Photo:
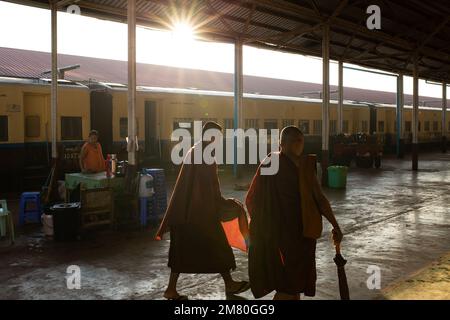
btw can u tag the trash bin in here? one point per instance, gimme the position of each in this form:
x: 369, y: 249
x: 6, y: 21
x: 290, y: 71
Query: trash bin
x: 337, y: 177
x: 66, y: 221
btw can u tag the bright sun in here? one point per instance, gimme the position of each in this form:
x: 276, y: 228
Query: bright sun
x: 182, y: 32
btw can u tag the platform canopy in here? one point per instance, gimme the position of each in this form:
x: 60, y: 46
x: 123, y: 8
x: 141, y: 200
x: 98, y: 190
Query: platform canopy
x: 409, y: 29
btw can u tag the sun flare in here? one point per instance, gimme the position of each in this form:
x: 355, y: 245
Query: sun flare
x: 183, y: 32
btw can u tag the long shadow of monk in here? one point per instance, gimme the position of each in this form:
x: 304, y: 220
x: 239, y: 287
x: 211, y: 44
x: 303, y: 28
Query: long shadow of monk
x: 235, y: 297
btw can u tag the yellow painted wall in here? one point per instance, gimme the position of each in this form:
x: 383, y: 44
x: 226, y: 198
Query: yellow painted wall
x: 71, y: 102
x: 76, y: 102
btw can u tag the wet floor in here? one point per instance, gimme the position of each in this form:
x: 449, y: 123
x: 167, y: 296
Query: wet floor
x: 394, y: 220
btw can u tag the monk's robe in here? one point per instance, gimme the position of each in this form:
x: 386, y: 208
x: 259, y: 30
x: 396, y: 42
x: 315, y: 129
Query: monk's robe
x: 280, y: 257
x: 194, y: 217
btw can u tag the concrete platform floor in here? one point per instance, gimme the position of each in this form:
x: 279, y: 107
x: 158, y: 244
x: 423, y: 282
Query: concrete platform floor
x: 392, y: 218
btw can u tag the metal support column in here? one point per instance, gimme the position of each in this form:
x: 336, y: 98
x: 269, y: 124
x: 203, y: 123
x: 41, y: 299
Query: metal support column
x: 444, y: 117
x: 340, y: 105
x: 54, y: 86
x: 325, y: 101
x: 131, y: 19
x: 400, y: 104
x: 415, y: 118
x: 238, y: 98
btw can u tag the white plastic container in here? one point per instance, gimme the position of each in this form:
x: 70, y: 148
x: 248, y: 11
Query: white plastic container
x: 47, y: 222
x: 146, y: 189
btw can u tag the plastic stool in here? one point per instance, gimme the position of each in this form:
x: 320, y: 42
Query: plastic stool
x: 34, y: 214
x: 147, y: 210
x: 143, y: 211
x: 5, y: 216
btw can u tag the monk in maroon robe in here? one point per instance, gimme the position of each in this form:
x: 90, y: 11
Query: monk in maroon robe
x: 198, y: 243
x: 282, y: 237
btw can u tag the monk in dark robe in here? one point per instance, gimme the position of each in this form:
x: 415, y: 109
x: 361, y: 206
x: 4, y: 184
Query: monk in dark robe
x: 285, y: 211
x: 198, y: 243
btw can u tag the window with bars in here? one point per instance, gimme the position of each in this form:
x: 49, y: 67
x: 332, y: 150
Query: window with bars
x: 228, y: 123
x: 287, y: 122
x: 270, y: 124
x: 251, y: 123
x: 123, y: 127
x: 426, y: 126
x: 365, y: 126
x: 185, y: 123
x: 333, y: 128
x: 204, y: 120
x: 345, y: 126
x: 303, y: 125
x: 380, y: 126
x: 435, y: 126
x: 317, y: 127
x: 71, y: 128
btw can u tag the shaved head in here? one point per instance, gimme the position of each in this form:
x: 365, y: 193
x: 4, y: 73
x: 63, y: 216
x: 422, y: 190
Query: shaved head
x: 290, y: 134
x: 211, y: 125
x: 292, y: 141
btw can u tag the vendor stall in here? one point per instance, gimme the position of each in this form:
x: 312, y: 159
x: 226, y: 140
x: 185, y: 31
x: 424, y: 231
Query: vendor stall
x: 96, y: 194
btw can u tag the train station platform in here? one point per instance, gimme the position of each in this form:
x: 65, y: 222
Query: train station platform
x: 394, y: 220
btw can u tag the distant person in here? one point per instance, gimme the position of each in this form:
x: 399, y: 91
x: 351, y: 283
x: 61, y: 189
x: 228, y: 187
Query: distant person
x: 198, y: 242
x: 91, y: 156
x: 285, y: 211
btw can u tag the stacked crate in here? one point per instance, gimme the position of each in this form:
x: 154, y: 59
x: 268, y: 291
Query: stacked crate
x: 157, y: 206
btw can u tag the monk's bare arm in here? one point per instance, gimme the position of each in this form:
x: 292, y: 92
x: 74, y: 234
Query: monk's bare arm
x: 325, y: 208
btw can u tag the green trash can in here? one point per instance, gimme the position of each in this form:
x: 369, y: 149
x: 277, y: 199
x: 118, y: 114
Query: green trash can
x: 337, y: 177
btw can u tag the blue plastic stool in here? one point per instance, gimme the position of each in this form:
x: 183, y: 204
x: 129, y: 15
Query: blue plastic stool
x: 160, y: 196
x: 33, y: 214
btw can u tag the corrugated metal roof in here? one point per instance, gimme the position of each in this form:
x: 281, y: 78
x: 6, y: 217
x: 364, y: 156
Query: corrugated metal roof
x: 409, y: 28
x: 19, y: 63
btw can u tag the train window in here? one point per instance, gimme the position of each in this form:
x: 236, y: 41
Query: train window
x: 251, y: 123
x: 3, y: 128
x: 333, y: 124
x: 32, y: 126
x: 435, y: 126
x: 345, y: 126
x: 287, y: 122
x: 204, y: 120
x: 71, y: 128
x: 270, y: 124
x: 123, y: 127
x: 185, y: 123
x: 408, y: 126
x: 420, y: 127
x: 228, y: 123
x: 427, y: 126
x: 364, y: 126
x: 304, y: 126
x: 448, y: 126
x: 317, y: 127
x: 380, y: 126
